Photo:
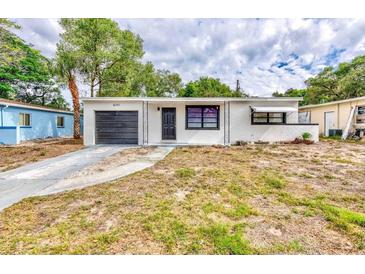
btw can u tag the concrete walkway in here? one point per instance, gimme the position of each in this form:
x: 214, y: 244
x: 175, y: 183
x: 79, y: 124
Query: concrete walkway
x: 51, y: 175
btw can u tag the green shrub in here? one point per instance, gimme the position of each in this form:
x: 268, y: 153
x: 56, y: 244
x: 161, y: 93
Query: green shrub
x: 306, y: 136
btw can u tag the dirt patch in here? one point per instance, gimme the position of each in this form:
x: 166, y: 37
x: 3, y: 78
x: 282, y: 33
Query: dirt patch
x: 13, y: 156
x: 181, y: 194
x: 116, y: 160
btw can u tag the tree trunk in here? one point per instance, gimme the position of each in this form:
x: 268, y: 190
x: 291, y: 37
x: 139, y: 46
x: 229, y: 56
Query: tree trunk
x: 99, y: 91
x: 92, y: 87
x: 76, y: 105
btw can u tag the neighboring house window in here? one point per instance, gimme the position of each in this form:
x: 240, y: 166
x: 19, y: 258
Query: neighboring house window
x: 60, y: 121
x: 266, y: 118
x: 24, y: 119
x: 360, y: 118
x: 202, y: 117
x: 304, y: 117
x: 361, y: 110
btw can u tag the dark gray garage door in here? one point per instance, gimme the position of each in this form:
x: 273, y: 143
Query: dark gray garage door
x: 116, y: 127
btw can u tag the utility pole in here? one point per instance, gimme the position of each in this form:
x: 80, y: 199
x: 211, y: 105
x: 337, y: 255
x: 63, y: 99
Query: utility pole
x: 238, y: 88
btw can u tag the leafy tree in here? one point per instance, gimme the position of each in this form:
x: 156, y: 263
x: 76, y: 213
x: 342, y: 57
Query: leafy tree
x: 332, y: 84
x: 351, y: 78
x: 42, y: 93
x: 353, y: 84
x: 158, y: 83
x: 209, y: 87
x: 10, y: 52
x: 323, y: 87
x: 143, y: 80
x: 101, y: 45
x: 127, y: 82
x: 59, y: 102
x: 108, y: 60
x: 294, y: 93
x: 169, y: 84
x: 24, y: 73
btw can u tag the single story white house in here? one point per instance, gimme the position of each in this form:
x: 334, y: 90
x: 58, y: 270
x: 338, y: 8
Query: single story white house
x: 192, y: 121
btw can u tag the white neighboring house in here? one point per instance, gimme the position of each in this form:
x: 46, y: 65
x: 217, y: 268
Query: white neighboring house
x: 192, y: 121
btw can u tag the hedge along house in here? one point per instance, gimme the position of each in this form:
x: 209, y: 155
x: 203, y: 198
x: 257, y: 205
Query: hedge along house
x: 334, y: 117
x: 21, y: 121
x: 191, y: 121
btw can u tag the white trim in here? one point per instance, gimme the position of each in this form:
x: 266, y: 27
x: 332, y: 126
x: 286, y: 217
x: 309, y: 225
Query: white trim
x: 189, y: 99
x: 35, y: 107
x: 333, y: 103
x: 274, y: 109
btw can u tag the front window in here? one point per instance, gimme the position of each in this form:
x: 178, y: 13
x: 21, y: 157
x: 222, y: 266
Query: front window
x: 265, y: 118
x: 202, y: 117
x: 24, y: 119
x: 60, y: 121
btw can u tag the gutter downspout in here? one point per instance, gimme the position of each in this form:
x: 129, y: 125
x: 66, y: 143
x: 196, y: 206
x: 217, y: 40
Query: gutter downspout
x: 2, y: 114
x: 338, y: 115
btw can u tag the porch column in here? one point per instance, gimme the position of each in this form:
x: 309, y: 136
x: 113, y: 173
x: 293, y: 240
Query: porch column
x: 226, y: 123
x: 145, y: 123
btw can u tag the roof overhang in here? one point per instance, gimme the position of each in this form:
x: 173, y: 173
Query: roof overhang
x: 333, y: 103
x: 274, y: 109
x: 35, y: 107
x: 190, y: 99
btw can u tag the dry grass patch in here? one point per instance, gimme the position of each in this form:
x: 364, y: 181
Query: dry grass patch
x: 256, y: 199
x: 17, y: 155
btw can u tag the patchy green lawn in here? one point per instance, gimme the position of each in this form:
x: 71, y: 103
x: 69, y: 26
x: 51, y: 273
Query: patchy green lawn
x: 255, y: 199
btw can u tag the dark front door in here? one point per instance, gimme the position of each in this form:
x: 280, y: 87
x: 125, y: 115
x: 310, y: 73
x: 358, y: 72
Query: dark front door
x: 168, y: 123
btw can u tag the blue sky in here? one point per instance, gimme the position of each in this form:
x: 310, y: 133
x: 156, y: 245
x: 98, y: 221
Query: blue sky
x: 266, y: 55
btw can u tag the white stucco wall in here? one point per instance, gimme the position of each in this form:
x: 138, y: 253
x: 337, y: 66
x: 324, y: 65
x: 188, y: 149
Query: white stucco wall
x: 235, y: 122
x: 281, y: 133
x: 183, y: 136
x: 89, y: 116
x: 242, y: 130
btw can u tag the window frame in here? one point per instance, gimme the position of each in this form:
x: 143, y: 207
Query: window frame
x: 63, y: 121
x: 24, y: 115
x: 283, y: 122
x: 202, y: 118
x: 360, y: 109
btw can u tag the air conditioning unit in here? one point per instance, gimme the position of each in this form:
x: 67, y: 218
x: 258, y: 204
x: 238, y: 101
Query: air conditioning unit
x: 335, y: 132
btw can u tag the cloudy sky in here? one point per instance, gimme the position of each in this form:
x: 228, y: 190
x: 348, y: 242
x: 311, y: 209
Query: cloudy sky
x: 266, y: 55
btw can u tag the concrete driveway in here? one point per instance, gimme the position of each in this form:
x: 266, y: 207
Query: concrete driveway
x: 52, y: 175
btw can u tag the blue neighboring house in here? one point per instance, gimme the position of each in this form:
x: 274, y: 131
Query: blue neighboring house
x: 21, y: 121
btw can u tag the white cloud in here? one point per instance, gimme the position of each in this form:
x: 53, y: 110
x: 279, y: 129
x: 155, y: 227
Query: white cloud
x: 42, y: 33
x: 230, y: 49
